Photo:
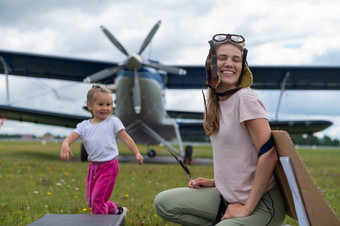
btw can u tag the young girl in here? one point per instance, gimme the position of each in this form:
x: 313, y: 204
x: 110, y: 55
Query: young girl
x: 98, y: 135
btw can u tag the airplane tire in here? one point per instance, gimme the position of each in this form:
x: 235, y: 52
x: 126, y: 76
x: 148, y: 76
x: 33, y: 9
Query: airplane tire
x: 83, y: 153
x: 188, y: 155
x: 151, y: 153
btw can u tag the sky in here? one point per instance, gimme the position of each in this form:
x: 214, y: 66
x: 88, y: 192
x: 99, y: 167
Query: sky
x: 281, y: 32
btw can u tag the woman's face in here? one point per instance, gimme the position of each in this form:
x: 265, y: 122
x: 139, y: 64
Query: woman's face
x: 229, y: 66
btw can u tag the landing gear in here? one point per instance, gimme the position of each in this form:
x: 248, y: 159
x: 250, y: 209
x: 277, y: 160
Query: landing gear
x: 188, y: 158
x: 83, y: 153
x: 151, y: 153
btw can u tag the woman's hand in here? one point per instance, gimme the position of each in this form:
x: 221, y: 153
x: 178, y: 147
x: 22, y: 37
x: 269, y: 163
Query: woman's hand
x: 236, y: 210
x: 201, y: 182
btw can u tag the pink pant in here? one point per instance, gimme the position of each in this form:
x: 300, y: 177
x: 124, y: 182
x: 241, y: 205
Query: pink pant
x: 100, y: 182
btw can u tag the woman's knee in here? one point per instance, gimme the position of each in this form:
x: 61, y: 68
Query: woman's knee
x: 169, y: 202
x: 159, y: 203
x: 165, y: 205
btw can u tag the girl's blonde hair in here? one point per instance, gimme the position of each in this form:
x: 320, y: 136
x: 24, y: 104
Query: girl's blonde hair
x: 93, y: 91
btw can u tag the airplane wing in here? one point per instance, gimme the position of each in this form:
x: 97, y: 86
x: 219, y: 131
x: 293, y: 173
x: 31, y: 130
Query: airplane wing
x: 268, y: 77
x: 195, y: 129
x: 185, y: 114
x: 54, y: 67
x: 299, y: 77
x: 300, y: 126
x: 41, y: 117
x: 265, y: 77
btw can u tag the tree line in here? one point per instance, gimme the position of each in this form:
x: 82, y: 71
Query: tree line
x: 314, y: 140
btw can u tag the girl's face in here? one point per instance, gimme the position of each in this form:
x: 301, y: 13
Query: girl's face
x: 101, y: 107
x: 229, y: 66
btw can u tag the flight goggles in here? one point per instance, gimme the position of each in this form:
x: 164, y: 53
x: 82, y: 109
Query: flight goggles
x: 223, y: 38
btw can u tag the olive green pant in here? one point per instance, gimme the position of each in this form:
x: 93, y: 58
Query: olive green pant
x: 187, y: 206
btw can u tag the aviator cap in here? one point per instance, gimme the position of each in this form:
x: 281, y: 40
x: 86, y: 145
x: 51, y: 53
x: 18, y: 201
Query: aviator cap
x: 212, y: 75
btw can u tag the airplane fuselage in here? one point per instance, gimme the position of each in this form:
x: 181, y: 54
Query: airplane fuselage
x: 152, y: 95
x: 153, y: 112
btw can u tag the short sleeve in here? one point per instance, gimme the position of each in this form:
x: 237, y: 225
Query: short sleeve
x: 118, y: 125
x: 80, y: 128
x: 251, y: 107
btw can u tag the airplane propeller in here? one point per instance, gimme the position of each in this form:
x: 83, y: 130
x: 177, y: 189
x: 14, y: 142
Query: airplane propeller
x: 134, y: 62
x: 149, y: 37
x: 107, y: 72
x: 136, y: 92
x: 114, y: 40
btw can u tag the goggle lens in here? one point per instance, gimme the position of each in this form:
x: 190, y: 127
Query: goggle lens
x: 231, y: 37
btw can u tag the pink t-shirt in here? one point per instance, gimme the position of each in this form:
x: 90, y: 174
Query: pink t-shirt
x: 235, y: 155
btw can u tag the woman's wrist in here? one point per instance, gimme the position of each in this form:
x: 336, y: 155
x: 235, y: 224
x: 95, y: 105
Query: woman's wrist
x: 212, y: 182
x: 249, y: 210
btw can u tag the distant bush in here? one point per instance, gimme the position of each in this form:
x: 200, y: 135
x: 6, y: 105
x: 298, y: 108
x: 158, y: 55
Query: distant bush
x: 313, y: 140
x: 10, y: 135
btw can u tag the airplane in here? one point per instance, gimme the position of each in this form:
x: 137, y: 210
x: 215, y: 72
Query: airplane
x: 139, y: 85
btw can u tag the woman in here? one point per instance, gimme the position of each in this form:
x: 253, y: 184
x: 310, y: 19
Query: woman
x: 243, y: 191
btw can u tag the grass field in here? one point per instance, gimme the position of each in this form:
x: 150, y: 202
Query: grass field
x: 34, y: 182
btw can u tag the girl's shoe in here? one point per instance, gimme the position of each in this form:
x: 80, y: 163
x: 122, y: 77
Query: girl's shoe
x: 121, y: 211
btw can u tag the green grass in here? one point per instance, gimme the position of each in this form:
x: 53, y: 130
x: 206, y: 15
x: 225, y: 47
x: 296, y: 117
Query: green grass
x: 34, y: 182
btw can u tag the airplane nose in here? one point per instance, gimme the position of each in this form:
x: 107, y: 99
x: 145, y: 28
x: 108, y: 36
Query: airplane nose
x: 134, y: 62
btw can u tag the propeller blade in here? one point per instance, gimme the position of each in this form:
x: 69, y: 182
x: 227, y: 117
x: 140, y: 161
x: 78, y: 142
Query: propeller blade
x: 136, y: 93
x: 114, y: 40
x: 169, y: 69
x: 103, y: 74
x: 149, y: 37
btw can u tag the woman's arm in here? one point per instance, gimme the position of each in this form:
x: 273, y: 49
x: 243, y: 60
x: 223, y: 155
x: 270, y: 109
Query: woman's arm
x: 260, y: 132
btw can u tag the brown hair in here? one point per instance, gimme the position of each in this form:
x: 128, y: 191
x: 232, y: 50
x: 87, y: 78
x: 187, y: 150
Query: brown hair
x: 211, y: 123
x: 95, y: 89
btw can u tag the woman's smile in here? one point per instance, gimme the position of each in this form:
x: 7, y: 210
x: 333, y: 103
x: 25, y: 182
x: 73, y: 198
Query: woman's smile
x: 227, y: 73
